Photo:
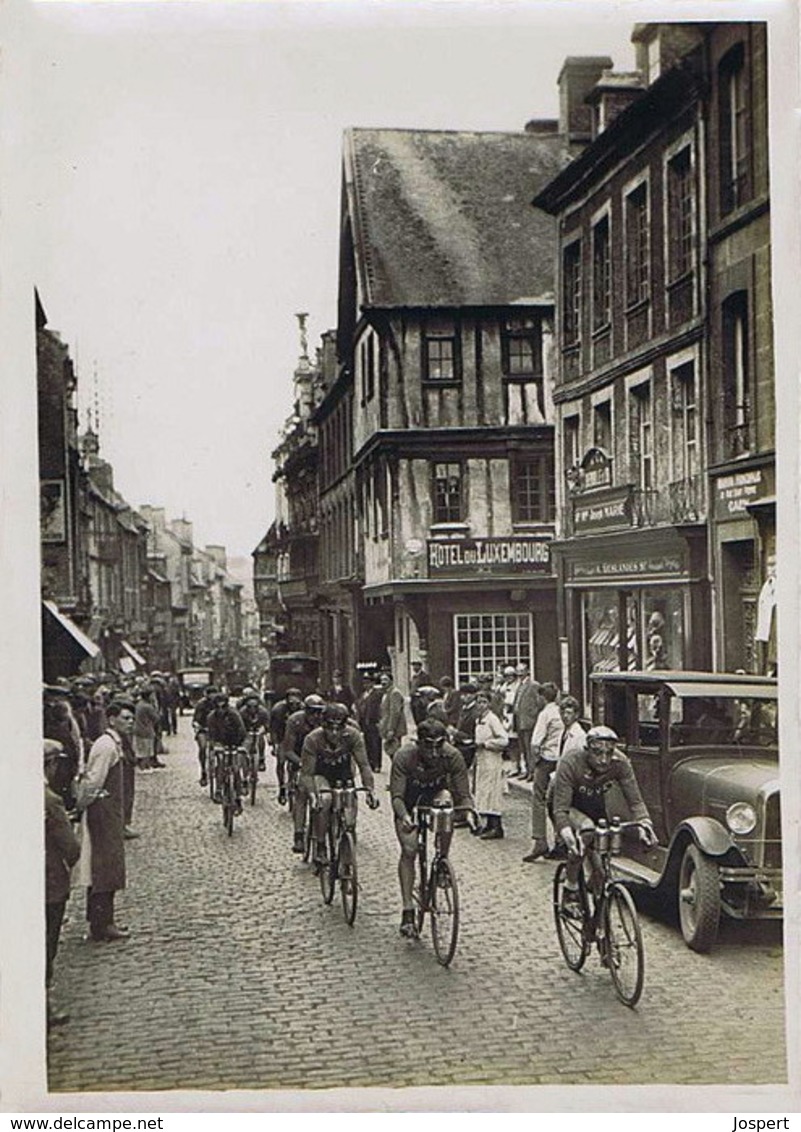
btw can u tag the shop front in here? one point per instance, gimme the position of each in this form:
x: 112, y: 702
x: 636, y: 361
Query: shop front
x: 484, y: 604
x: 744, y: 566
x: 634, y: 602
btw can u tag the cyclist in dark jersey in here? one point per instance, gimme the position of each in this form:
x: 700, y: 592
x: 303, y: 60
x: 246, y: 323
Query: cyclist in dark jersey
x: 426, y: 771
x: 327, y: 760
x: 299, y: 725
x: 582, y: 779
x: 203, y: 709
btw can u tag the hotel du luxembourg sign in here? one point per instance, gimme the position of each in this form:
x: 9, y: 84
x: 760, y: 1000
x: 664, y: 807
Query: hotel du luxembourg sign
x: 464, y: 558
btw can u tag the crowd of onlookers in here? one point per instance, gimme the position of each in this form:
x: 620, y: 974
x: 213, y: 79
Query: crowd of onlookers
x: 97, y: 732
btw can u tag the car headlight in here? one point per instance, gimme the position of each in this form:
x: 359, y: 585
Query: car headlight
x: 741, y: 818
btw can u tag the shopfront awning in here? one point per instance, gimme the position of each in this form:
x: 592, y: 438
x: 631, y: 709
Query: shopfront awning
x: 69, y: 627
x: 135, y: 656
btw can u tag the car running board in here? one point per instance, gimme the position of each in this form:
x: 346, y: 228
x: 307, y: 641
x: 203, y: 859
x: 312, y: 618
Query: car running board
x: 627, y: 869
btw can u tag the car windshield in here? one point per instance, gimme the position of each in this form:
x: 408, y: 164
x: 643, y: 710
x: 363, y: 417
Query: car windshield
x: 714, y: 720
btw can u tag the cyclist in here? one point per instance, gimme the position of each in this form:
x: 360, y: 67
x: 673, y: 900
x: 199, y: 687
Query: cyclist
x: 199, y: 720
x: 255, y: 717
x: 298, y: 726
x: 226, y: 729
x: 327, y: 759
x: 278, y: 720
x: 583, y: 777
x: 426, y: 771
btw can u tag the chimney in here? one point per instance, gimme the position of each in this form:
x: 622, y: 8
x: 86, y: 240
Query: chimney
x: 578, y: 76
x: 613, y: 92
x: 182, y: 529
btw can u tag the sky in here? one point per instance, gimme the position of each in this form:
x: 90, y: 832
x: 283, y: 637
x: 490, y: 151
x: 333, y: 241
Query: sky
x: 185, y: 175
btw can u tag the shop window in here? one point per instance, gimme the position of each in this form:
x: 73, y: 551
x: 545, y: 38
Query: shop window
x: 602, y: 631
x: 735, y: 155
x: 681, y: 215
x: 601, y: 275
x: 447, y: 493
x: 661, y: 629
x: 736, y: 377
x: 638, y: 265
x: 441, y: 353
x: 571, y: 294
x: 533, y: 490
x: 487, y: 642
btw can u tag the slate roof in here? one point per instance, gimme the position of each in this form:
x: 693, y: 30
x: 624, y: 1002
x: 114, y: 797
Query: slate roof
x: 445, y: 218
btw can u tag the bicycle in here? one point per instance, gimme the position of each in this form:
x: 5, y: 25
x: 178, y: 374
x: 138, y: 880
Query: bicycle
x: 230, y: 785
x: 212, y: 769
x: 252, y: 763
x: 436, y: 891
x: 605, y: 914
x: 340, y: 862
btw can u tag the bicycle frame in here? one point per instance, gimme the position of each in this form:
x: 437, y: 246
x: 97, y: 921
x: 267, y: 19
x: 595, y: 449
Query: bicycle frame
x: 341, y: 840
x: 438, y: 893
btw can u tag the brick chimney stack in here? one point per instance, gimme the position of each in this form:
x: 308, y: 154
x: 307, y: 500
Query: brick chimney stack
x: 577, y: 78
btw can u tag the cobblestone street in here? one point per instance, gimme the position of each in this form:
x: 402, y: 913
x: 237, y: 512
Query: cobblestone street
x: 237, y: 975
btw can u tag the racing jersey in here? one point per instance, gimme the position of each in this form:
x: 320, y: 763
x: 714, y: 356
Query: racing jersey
x: 319, y: 758
x: 225, y: 726
x: 413, y: 781
x: 254, y: 715
x: 295, y: 732
x: 578, y: 786
x: 201, y: 713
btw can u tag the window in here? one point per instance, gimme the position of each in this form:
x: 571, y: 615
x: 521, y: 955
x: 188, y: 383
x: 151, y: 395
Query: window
x: 737, y: 409
x: 681, y: 223
x: 601, y: 275
x: 735, y: 179
x: 486, y: 642
x: 602, y: 426
x: 685, y: 422
x: 533, y: 490
x: 522, y: 348
x: 441, y: 360
x: 641, y: 436
x: 447, y: 493
x: 637, y: 246
x: 571, y: 294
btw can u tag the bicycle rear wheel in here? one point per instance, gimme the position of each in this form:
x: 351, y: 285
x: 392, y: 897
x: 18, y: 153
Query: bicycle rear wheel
x: 212, y: 775
x: 308, y: 832
x: 444, y: 903
x: 569, y: 928
x: 348, y: 877
x: 328, y: 870
x: 623, y: 947
x: 254, y: 779
x: 228, y: 804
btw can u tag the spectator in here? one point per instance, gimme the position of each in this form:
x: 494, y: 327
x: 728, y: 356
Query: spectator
x: 451, y: 700
x: 392, y: 719
x: 101, y: 803
x: 95, y: 716
x: 340, y: 692
x: 61, y: 852
x: 147, y: 720
x: 420, y: 679
x: 491, y: 741
x: 527, y: 706
x: 545, y: 751
x: 368, y: 714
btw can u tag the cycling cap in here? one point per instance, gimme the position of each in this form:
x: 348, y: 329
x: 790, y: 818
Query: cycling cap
x: 294, y: 694
x: 335, y: 713
x: 431, y: 731
x: 314, y: 703
x: 601, y: 732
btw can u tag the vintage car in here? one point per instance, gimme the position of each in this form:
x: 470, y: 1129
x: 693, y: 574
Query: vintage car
x: 193, y: 682
x: 704, y: 747
x: 290, y: 670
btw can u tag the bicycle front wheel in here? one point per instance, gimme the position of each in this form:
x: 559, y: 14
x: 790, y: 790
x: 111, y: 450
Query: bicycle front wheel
x: 622, y: 949
x: 328, y: 870
x: 308, y: 832
x: 348, y: 877
x: 569, y: 924
x: 228, y: 795
x: 254, y: 781
x: 444, y: 910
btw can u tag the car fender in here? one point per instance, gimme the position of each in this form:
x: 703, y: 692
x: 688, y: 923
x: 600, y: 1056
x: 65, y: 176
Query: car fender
x: 707, y: 833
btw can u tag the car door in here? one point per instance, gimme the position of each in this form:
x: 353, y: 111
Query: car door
x: 646, y: 743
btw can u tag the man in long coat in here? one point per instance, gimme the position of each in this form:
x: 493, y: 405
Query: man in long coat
x: 392, y: 721
x: 101, y: 800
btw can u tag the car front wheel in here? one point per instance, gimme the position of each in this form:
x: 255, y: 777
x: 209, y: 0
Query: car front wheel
x: 699, y: 899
